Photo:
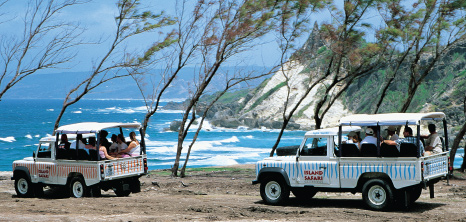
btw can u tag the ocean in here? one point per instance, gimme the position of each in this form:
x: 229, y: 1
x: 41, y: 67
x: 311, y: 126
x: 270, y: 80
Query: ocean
x: 25, y: 121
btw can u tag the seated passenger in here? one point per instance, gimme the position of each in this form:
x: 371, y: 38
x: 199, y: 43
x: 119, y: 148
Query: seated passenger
x: 103, y: 138
x: 357, y: 139
x: 433, y: 142
x: 121, y: 143
x: 64, y: 144
x: 350, y: 137
x: 78, y: 142
x: 409, y: 138
x: 391, y: 130
x: 114, y: 147
x: 133, y: 148
x: 370, y: 138
x: 103, y: 153
x: 91, y: 144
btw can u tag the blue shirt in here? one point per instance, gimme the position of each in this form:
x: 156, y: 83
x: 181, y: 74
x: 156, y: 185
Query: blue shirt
x: 409, y: 139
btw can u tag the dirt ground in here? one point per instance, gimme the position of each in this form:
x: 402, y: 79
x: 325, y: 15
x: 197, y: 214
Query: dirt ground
x: 221, y: 195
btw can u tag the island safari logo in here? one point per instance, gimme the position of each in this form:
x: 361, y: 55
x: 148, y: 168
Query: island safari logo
x: 43, y: 173
x: 313, y: 176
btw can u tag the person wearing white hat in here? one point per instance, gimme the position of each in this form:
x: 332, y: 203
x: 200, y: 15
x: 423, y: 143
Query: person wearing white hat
x: 370, y: 138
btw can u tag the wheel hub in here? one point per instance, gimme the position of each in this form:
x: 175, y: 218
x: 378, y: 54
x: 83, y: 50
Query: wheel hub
x: 377, y: 195
x: 273, y: 190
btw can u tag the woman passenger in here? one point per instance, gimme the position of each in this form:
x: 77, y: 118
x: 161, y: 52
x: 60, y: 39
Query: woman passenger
x: 133, y: 148
x: 103, y: 153
x: 356, y: 139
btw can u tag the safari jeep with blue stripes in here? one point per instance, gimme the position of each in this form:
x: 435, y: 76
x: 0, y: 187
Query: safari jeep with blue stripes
x: 386, y: 172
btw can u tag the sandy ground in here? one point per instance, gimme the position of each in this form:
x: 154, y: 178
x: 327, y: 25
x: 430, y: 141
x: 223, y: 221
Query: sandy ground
x: 219, y: 195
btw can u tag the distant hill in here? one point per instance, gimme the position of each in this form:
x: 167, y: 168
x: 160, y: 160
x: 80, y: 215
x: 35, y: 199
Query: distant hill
x: 57, y: 85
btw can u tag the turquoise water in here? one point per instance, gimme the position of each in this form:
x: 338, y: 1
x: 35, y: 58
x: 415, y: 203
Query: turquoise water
x: 23, y: 122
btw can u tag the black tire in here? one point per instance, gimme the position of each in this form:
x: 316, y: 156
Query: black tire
x: 377, y: 194
x: 77, y: 187
x: 95, y: 191
x: 274, y: 191
x: 121, y: 193
x: 120, y: 190
x: 38, y: 190
x: 23, y: 186
x: 304, y: 193
x: 135, y: 186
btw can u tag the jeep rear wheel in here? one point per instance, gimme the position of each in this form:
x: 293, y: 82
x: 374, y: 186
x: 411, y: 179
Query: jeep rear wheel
x: 274, y: 191
x: 377, y: 194
x: 77, y: 187
x: 23, y: 186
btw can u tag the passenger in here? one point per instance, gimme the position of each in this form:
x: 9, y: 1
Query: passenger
x: 433, y: 142
x: 104, y: 140
x: 133, y: 148
x: 64, y: 144
x: 350, y: 137
x: 356, y: 139
x: 121, y: 143
x: 103, y: 153
x: 409, y: 138
x: 391, y: 130
x: 114, y: 147
x: 79, y: 142
x: 91, y: 144
x: 370, y: 138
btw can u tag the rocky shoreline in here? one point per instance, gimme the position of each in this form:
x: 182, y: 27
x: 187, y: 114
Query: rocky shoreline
x: 225, y: 115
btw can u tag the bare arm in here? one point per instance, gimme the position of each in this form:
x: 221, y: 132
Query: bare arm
x: 108, y: 157
x: 131, y: 146
x: 389, y: 142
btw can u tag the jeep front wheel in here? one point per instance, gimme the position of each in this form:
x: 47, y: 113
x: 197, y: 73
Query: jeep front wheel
x: 274, y: 191
x: 377, y: 194
x: 23, y: 186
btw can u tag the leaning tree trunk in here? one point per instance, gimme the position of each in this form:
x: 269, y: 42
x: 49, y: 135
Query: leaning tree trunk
x: 456, y: 144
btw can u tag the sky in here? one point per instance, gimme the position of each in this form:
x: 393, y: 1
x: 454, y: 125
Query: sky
x: 96, y: 18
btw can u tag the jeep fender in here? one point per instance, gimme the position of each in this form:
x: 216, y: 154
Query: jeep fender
x: 268, y: 171
x: 20, y: 170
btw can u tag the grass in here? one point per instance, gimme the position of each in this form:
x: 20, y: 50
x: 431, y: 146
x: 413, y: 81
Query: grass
x: 266, y: 95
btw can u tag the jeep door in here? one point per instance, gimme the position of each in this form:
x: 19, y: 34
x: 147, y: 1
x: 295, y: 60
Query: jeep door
x: 315, y: 166
x: 45, y: 166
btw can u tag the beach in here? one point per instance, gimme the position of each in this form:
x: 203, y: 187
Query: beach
x: 221, y: 194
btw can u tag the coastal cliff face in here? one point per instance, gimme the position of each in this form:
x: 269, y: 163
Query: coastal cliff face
x: 443, y: 90
x: 268, y: 103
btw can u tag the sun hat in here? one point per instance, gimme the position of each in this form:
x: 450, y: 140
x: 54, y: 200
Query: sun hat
x: 391, y: 128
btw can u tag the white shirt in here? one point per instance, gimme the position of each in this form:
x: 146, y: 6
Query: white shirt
x: 394, y: 137
x: 113, y: 148
x: 81, y: 145
x: 369, y: 139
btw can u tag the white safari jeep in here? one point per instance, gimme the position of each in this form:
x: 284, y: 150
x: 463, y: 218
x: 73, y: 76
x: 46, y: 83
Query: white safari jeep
x: 384, y: 174
x: 81, y: 171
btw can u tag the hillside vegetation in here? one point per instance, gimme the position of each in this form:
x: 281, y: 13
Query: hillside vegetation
x: 442, y: 90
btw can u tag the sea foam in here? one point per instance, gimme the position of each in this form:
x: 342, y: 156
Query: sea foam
x: 9, y: 139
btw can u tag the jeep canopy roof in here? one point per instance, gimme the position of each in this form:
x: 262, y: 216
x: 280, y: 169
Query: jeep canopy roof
x: 390, y: 119
x: 93, y: 127
x: 333, y: 131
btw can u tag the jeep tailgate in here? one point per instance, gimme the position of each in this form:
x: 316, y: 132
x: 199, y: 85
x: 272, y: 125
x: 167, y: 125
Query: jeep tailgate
x: 435, y: 166
x: 122, y: 167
